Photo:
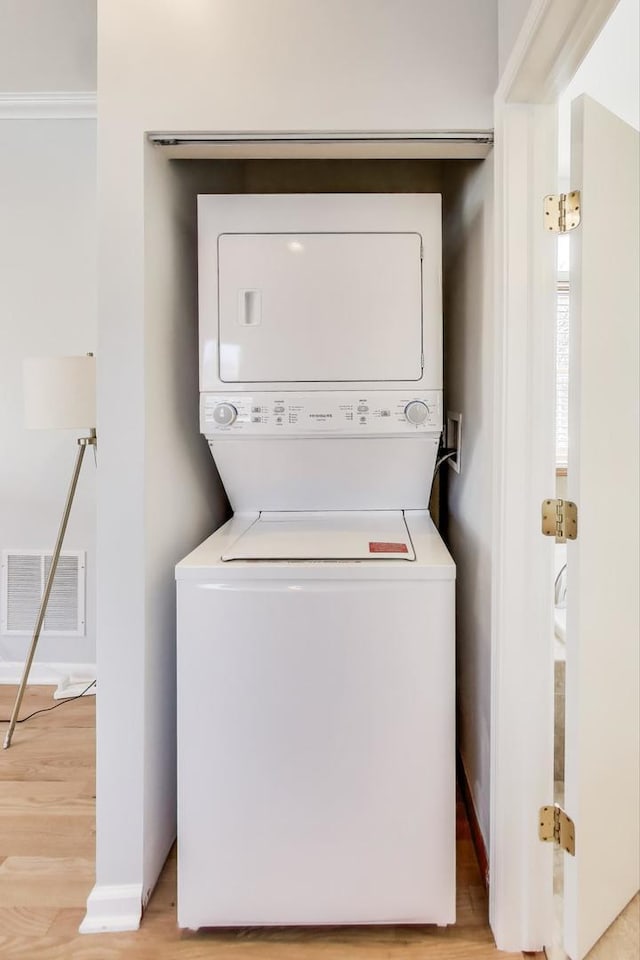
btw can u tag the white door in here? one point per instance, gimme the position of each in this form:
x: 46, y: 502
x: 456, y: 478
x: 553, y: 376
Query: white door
x: 602, y: 680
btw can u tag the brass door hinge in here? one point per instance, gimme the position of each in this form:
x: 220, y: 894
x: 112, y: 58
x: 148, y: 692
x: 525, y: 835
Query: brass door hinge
x: 554, y: 826
x: 560, y: 520
x: 562, y: 211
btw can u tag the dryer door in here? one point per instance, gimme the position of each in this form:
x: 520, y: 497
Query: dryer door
x: 320, y: 307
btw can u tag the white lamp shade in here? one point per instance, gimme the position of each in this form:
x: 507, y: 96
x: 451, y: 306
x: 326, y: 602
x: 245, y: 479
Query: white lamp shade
x: 60, y: 393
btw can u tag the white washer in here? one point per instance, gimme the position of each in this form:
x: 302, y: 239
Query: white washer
x: 316, y: 743
x: 316, y: 740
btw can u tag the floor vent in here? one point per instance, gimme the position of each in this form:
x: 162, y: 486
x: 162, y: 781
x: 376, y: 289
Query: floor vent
x: 24, y: 575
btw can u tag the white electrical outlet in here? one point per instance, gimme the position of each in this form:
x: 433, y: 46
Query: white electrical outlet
x: 454, y: 440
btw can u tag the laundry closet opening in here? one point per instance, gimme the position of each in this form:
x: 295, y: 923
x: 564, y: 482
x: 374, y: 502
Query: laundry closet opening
x: 461, y: 502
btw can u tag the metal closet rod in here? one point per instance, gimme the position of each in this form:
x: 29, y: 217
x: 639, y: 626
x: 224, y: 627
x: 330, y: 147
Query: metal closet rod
x: 171, y: 139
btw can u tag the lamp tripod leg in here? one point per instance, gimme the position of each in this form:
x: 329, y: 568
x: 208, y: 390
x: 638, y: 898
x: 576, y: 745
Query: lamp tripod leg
x: 82, y: 445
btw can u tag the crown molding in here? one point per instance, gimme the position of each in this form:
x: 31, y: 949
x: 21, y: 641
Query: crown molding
x: 49, y: 105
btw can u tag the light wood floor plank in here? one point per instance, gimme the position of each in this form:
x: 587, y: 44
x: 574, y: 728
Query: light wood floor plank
x: 57, y: 838
x: 39, y: 698
x: 54, y: 799
x: 26, y: 922
x: 45, y: 881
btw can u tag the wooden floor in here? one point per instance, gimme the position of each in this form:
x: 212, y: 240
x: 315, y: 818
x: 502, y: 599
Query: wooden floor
x: 47, y: 836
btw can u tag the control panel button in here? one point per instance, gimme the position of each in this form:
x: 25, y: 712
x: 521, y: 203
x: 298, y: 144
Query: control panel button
x: 224, y: 414
x: 278, y: 409
x: 416, y: 412
x: 363, y: 409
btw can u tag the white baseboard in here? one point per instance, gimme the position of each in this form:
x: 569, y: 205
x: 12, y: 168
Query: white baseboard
x: 75, y: 685
x: 60, y: 674
x: 111, y: 909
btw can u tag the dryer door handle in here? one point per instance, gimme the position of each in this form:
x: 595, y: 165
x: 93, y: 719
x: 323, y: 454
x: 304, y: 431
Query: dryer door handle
x: 249, y: 308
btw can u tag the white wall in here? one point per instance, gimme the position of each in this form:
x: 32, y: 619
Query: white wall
x: 286, y: 65
x: 183, y: 489
x: 511, y: 14
x: 223, y: 64
x: 47, y: 45
x: 47, y: 307
x: 158, y: 483
x: 469, y: 378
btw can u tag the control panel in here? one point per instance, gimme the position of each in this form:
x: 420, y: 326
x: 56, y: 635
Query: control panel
x: 376, y: 413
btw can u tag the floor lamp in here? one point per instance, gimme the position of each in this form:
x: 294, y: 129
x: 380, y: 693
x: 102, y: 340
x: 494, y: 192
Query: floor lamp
x: 59, y: 394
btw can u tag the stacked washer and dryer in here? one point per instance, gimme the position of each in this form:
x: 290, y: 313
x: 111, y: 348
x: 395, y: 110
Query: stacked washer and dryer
x: 316, y: 680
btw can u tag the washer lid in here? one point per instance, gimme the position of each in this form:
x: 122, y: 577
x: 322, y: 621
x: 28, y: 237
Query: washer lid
x: 365, y: 535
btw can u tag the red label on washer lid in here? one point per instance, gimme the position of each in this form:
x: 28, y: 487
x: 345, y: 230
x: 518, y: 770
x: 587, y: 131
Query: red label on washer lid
x: 384, y: 546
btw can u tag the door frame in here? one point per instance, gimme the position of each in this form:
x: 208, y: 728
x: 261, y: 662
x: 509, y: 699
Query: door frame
x: 555, y: 37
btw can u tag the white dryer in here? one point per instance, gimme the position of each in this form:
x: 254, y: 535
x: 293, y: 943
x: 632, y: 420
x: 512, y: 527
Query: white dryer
x: 316, y: 686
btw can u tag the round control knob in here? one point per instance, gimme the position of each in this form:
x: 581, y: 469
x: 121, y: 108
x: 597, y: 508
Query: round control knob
x: 416, y: 412
x: 224, y: 414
